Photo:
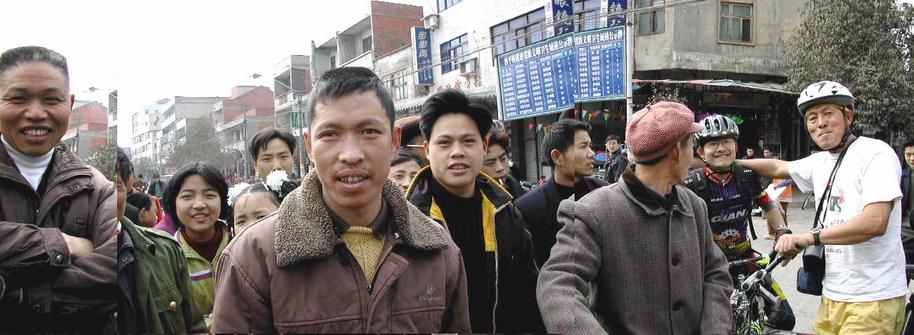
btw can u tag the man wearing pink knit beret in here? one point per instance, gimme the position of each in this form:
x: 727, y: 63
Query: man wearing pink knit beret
x: 637, y: 257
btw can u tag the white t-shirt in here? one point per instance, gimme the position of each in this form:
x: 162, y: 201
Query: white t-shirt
x: 870, y: 172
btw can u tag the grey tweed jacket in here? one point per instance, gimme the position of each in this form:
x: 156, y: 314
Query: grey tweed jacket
x: 654, y: 271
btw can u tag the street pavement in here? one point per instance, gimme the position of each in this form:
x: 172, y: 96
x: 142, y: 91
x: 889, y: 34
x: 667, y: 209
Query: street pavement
x: 804, y: 306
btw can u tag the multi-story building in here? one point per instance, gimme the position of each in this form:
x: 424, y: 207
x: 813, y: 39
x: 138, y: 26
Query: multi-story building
x: 291, y: 85
x: 112, y: 116
x: 146, y: 130
x: 380, y: 41
x: 177, y: 115
x: 88, y: 128
x: 237, y: 118
x: 720, y: 56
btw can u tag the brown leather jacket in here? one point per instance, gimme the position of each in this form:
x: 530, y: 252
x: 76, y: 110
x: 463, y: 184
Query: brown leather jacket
x: 292, y: 273
x: 46, y: 290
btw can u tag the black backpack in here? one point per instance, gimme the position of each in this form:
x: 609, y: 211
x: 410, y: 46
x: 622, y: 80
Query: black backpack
x: 697, y: 181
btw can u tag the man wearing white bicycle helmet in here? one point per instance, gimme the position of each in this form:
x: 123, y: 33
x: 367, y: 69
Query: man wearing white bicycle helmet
x: 864, y: 284
x: 731, y: 192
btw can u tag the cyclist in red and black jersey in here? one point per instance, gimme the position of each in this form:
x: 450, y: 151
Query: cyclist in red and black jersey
x: 731, y: 192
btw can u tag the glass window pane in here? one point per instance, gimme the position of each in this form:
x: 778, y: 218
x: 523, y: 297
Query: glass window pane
x: 441, y: 5
x: 518, y: 22
x: 642, y: 3
x: 539, y: 15
x: 724, y: 9
x: 742, y: 10
x: 500, y: 29
x: 536, y: 32
x: 724, y: 29
x: 590, y: 4
x: 658, y: 21
x: 734, y: 30
x: 644, y: 23
x: 747, y: 30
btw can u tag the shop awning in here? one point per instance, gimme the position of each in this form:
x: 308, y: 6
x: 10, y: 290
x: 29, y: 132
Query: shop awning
x: 736, y: 85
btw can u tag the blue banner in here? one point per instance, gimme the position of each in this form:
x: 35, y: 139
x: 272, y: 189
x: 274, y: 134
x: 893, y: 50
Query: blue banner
x: 617, y: 6
x: 601, y: 64
x: 423, y: 50
x: 550, y: 76
x: 562, y: 16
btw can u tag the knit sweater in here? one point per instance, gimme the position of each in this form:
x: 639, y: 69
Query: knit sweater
x: 366, y: 247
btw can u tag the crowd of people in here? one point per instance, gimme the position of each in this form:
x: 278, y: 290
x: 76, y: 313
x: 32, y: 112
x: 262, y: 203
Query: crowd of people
x: 418, y: 224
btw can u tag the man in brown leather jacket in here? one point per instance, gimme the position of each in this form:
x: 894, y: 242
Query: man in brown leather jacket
x: 345, y: 252
x: 57, y: 214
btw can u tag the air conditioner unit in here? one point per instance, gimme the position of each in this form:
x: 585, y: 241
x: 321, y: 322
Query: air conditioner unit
x: 468, y: 67
x: 431, y: 21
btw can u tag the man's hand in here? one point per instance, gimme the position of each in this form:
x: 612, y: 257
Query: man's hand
x: 790, y: 245
x: 78, y: 246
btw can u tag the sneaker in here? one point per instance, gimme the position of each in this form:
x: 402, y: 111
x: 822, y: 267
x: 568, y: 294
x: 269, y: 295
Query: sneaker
x: 757, y: 212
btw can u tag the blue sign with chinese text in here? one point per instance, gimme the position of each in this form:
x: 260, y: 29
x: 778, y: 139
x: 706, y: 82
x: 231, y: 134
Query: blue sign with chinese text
x: 616, y: 6
x: 423, y: 51
x: 562, y: 16
x: 601, y: 64
x: 550, y: 76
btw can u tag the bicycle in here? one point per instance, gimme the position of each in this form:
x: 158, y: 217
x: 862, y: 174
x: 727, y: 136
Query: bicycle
x: 909, y: 308
x: 748, y: 300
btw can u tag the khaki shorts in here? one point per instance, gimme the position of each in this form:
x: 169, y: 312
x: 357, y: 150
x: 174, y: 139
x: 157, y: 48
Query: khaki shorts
x: 873, y: 317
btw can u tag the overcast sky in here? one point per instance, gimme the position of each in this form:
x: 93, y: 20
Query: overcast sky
x: 149, y: 50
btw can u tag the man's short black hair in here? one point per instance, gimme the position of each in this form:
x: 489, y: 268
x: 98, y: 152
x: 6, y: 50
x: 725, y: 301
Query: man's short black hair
x: 210, y: 174
x: 405, y: 156
x: 613, y: 138
x: 123, y: 167
x: 452, y: 101
x: 140, y: 200
x: 498, y: 137
x: 264, y: 136
x: 341, y: 81
x: 16, y: 56
x: 561, y: 137
x: 156, y: 175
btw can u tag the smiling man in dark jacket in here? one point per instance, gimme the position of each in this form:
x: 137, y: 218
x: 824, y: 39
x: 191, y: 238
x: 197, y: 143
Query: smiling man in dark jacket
x: 478, y: 213
x: 57, y: 214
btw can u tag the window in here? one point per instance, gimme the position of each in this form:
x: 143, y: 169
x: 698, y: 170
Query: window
x: 445, y: 4
x: 452, y: 51
x: 397, y: 85
x: 366, y: 44
x: 650, y: 22
x: 735, y: 23
x: 519, y: 32
x: 586, y: 15
x: 332, y: 62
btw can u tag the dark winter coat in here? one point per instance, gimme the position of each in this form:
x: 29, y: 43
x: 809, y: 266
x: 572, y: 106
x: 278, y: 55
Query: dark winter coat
x: 539, y: 208
x: 626, y: 264
x: 46, y: 290
x: 513, y: 271
x: 292, y: 273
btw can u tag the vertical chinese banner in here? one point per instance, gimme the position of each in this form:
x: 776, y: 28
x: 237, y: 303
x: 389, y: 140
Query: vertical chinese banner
x: 422, y: 51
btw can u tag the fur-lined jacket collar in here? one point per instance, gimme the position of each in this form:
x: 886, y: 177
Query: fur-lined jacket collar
x: 304, y: 230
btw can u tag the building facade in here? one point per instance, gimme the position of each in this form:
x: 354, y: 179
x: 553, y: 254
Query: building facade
x: 291, y: 86
x: 88, y: 128
x: 236, y: 119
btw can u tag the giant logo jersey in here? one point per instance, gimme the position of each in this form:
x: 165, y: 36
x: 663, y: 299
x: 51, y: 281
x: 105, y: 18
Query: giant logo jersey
x: 728, y: 214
